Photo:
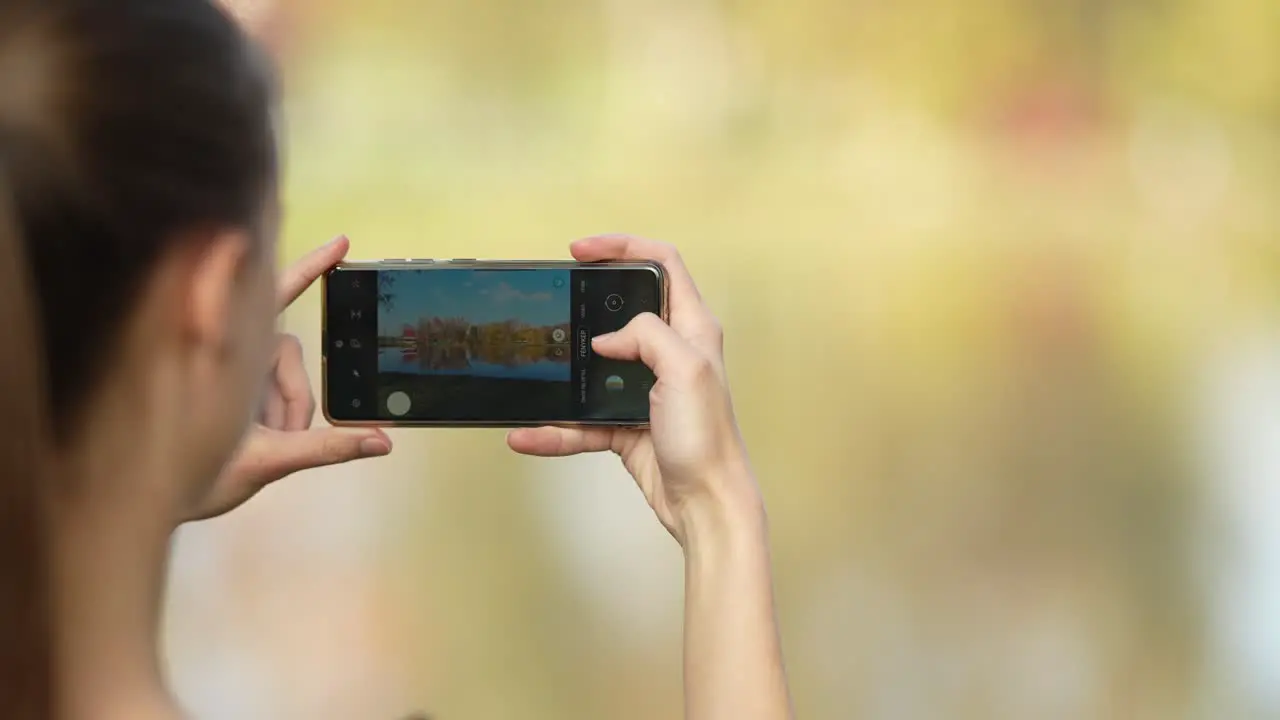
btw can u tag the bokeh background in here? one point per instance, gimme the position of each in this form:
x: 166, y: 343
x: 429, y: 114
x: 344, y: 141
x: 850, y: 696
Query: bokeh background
x: 1001, y: 287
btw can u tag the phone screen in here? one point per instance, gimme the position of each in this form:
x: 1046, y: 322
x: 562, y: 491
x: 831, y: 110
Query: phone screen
x: 484, y: 345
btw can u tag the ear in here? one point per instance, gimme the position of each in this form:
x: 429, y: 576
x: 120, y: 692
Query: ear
x: 213, y: 278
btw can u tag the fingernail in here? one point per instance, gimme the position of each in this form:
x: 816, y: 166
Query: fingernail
x: 604, y: 338
x: 374, y: 447
x: 337, y: 240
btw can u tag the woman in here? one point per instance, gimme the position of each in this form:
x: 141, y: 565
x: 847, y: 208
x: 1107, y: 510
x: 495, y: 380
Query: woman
x: 138, y: 158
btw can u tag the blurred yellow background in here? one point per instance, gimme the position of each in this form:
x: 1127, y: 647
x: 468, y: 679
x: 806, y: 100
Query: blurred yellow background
x: 999, y: 282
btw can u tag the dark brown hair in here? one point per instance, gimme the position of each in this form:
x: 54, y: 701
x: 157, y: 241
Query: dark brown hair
x: 25, y: 652
x: 126, y: 128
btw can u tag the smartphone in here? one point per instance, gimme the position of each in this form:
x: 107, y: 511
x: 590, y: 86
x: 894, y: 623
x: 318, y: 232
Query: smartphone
x: 476, y: 343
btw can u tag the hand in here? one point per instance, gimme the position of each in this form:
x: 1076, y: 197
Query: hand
x: 691, y: 458
x: 282, y: 442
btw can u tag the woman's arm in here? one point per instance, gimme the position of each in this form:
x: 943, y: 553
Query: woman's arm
x: 692, y: 467
x: 733, y: 666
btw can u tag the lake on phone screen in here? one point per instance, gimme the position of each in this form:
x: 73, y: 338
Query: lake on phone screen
x: 400, y: 360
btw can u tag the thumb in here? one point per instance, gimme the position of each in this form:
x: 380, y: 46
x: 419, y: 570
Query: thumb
x: 284, y: 453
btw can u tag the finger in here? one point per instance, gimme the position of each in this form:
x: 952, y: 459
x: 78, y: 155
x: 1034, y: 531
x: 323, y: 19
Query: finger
x: 299, y: 276
x: 689, y: 314
x: 277, y: 454
x: 647, y: 339
x: 294, y: 385
x: 559, y: 442
x: 625, y: 247
x: 273, y: 409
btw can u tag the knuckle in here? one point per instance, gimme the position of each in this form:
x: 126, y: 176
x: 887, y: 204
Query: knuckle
x: 647, y: 320
x: 289, y: 348
x: 642, y: 324
x: 701, y: 369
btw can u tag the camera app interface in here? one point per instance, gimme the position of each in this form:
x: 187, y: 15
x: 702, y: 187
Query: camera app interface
x: 494, y: 345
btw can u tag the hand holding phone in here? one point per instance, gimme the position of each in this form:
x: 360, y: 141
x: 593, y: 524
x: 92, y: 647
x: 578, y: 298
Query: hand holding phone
x: 281, y: 440
x: 691, y: 458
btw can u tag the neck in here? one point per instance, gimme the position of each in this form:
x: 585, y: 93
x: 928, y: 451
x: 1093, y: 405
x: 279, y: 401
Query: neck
x: 111, y: 551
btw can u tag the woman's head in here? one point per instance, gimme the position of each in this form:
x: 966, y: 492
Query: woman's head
x: 136, y: 138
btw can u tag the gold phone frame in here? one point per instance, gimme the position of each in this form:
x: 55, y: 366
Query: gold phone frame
x: 474, y: 264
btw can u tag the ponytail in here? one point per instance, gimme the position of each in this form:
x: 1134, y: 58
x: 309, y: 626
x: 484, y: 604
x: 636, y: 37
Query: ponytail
x: 26, y: 653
